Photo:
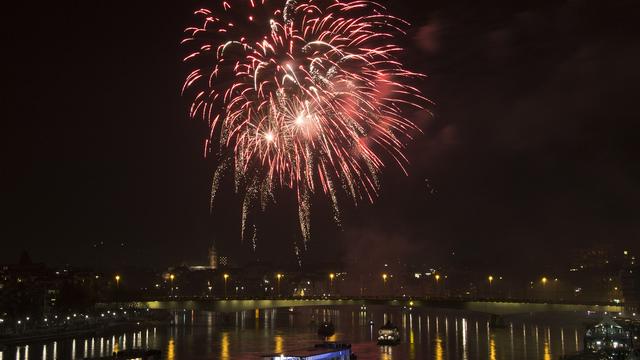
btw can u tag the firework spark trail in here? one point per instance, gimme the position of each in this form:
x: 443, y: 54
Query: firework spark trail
x: 300, y: 94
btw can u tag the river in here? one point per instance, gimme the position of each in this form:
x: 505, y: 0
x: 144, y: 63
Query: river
x: 426, y: 334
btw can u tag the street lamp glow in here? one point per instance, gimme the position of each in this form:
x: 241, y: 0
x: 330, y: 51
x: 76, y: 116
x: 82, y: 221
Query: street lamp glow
x: 544, y: 281
x: 171, y: 277
x: 278, y: 276
x: 490, y: 279
x: 226, y: 277
x: 437, y: 277
x: 331, y: 277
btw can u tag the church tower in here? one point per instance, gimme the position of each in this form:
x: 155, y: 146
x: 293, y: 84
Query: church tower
x: 213, y: 257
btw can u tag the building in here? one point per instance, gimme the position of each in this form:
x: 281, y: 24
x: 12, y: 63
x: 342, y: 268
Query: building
x: 213, y: 257
x: 630, y: 278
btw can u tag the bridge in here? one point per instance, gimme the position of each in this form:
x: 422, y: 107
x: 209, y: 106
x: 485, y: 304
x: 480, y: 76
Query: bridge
x: 498, y: 307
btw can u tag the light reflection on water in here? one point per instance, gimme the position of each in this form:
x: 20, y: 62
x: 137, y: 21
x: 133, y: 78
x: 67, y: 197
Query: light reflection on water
x: 171, y: 349
x: 224, y: 349
x: 426, y: 334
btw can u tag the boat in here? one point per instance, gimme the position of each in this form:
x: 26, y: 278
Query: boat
x: 144, y: 354
x: 324, y: 351
x: 150, y: 354
x: 609, y: 340
x: 388, y: 335
x: 581, y: 356
x: 326, y: 329
x: 631, y: 355
x: 630, y: 325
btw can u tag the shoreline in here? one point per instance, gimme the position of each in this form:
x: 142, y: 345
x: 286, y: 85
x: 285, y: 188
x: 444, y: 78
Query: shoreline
x: 61, y: 334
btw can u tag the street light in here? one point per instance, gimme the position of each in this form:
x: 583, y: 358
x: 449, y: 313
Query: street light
x: 490, y: 278
x: 172, y: 277
x: 544, y: 285
x: 384, y: 282
x: 279, y: 276
x: 226, y: 277
x: 118, y: 281
x: 331, y: 277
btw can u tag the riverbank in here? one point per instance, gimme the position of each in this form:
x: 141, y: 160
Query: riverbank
x: 56, y: 334
x: 100, y: 324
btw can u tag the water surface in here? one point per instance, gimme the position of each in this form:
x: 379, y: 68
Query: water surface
x: 426, y: 334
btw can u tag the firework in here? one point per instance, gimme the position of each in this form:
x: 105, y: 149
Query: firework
x: 306, y: 95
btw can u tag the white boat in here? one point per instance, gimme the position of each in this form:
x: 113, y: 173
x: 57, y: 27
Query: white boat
x: 388, y: 335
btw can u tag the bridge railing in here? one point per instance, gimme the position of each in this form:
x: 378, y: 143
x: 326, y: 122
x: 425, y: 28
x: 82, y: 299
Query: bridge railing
x: 381, y: 299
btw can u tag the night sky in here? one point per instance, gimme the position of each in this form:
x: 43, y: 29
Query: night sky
x: 532, y: 151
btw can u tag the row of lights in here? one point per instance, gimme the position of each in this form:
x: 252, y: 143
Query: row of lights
x: 332, y: 276
x: 68, y: 318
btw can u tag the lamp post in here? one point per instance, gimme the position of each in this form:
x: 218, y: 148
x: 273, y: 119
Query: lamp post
x: 226, y: 277
x: 171, y: 277
x: 278, y: 277
x: 117, y: 292
x: 331, y: 277
x: 437, y: 277
x: 490, y: 278
x: 384, y: 282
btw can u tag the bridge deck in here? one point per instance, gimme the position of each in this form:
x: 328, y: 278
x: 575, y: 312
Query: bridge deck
x: 491, y: 307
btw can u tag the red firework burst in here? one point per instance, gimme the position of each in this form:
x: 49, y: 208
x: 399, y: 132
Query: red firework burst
x: 301, y: 94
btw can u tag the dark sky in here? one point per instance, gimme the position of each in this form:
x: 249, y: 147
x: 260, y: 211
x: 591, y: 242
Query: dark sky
x: 532, y: 151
